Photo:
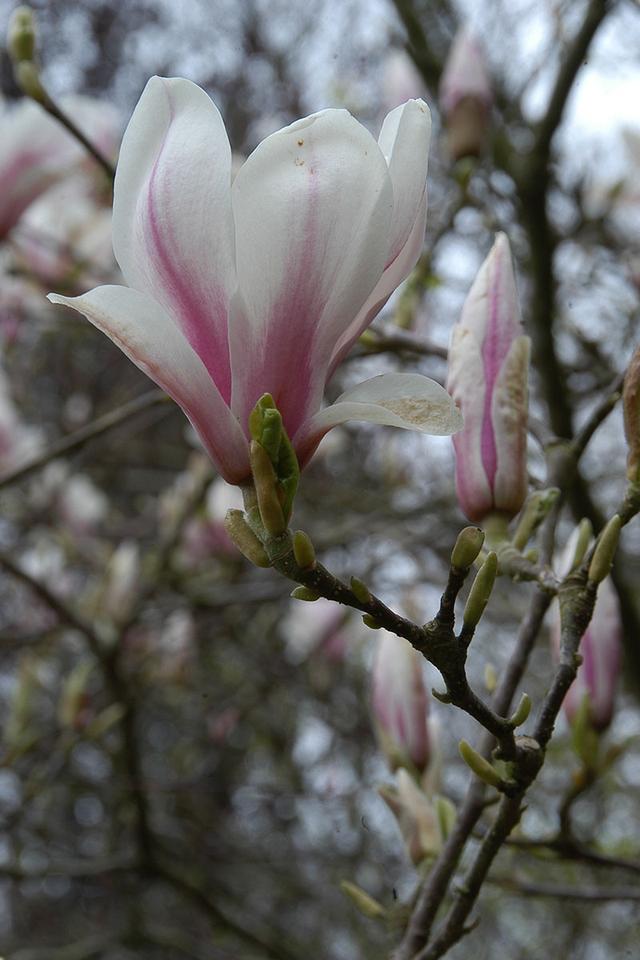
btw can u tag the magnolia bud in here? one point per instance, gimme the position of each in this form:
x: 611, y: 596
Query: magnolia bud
x: 605, y: 550
x: 467, y: 547
x: 465, y: 96
x: 21, y: 36
x: 245, y: 539
x: 488, y: 373
x: 400, y: 703
x: 480, y: 592
x: 631, y: 410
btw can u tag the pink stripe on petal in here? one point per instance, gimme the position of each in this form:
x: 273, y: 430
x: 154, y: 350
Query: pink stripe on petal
x: 498, y: 338
x: 200, y: 314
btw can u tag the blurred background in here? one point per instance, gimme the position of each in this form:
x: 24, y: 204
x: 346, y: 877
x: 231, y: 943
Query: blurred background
x: 188, y: 763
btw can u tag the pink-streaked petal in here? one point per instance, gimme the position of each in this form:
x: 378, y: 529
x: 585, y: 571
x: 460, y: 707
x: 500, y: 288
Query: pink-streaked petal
x: 144, y: 332
x: 406, y: 400
x: 312, y: 207
x: 393, y: 276
x: 465, y: 383
x: 172, y: 220
x: 404, y: 141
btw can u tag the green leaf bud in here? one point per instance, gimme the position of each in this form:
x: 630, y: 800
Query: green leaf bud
x: 605, y: 550
x: 305, y: 593
x: 245, y: 539
x: 481, y: 767
x: 467, y: 548
x: 480, y: 591
x: 360, y: 590
x: 303, y: 550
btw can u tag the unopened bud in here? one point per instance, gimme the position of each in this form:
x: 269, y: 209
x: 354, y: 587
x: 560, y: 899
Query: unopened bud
x: 481, y: 767
x: 245, y: 539
x: 536, y: 508
x: 360, y: 590
x: 480, y: 591
x: 303, y: 551
x: 305, y: 593
x: 265, y: 481
x: 605, y: 550
x: 365, y: 903
x: 522, y: 711
x: 580, y: 545
x: 467, y: 547
x: 631, y: 411
x: 21, y: 36
x: 371, y: 622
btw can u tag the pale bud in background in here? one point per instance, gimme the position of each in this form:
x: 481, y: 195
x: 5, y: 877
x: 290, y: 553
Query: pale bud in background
x: 401, y: 80
x: 466, y: 96
x: 488, y: 378
x: 318, y: 627
x: 400, y: 703
x: 123, y: 581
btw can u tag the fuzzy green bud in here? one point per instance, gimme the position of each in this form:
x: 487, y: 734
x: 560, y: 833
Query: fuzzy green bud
x: 467, y: 547
x: 480, y: 591
x: 604, y: 552
x: 360, y: 590
x: 303, y: 550
x: 583, y: 539
x: 305, y: 593
x: 21, y: 36
x: 522, y: 711
x: 371, y: 622
x: 265, y: 481
x: 481, y: 767
x: 365, y: 903
x: 533, y: 513
x: 245, y: 539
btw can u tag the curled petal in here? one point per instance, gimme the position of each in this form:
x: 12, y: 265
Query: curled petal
x: 145, y: 333
x: 406, y: 400
x: 172, y: 220
x: 404, y: 141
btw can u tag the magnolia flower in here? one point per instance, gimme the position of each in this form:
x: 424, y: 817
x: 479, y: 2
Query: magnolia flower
x: 400, y: 703
x: 488, y: 372
x: 264, y: 285
x: 600, y: 649
x: 36, y: 151
x: 401, y: 80
x: 465, y: 95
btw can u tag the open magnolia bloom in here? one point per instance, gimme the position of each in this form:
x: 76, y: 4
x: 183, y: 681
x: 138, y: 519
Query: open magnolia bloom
x: 263, y: 286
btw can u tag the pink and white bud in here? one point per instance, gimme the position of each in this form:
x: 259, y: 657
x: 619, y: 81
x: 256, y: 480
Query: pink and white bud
x: 466, y: 95
x: 264, y: 284
x: 318, y: 627
x: 600, y: 649
x: 488, y: 379
x: 400, y: 703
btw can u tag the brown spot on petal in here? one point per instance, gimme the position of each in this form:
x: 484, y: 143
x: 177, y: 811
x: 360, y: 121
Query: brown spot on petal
x: 300, y: 143
x: 299, y: 162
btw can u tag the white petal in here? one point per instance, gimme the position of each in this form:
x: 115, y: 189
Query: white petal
x: 404, y: 141
x: 172, y: 220
x: 393, y: 276
x: 312, y: 207
x: 406, y: 400
x: 148, y: 336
